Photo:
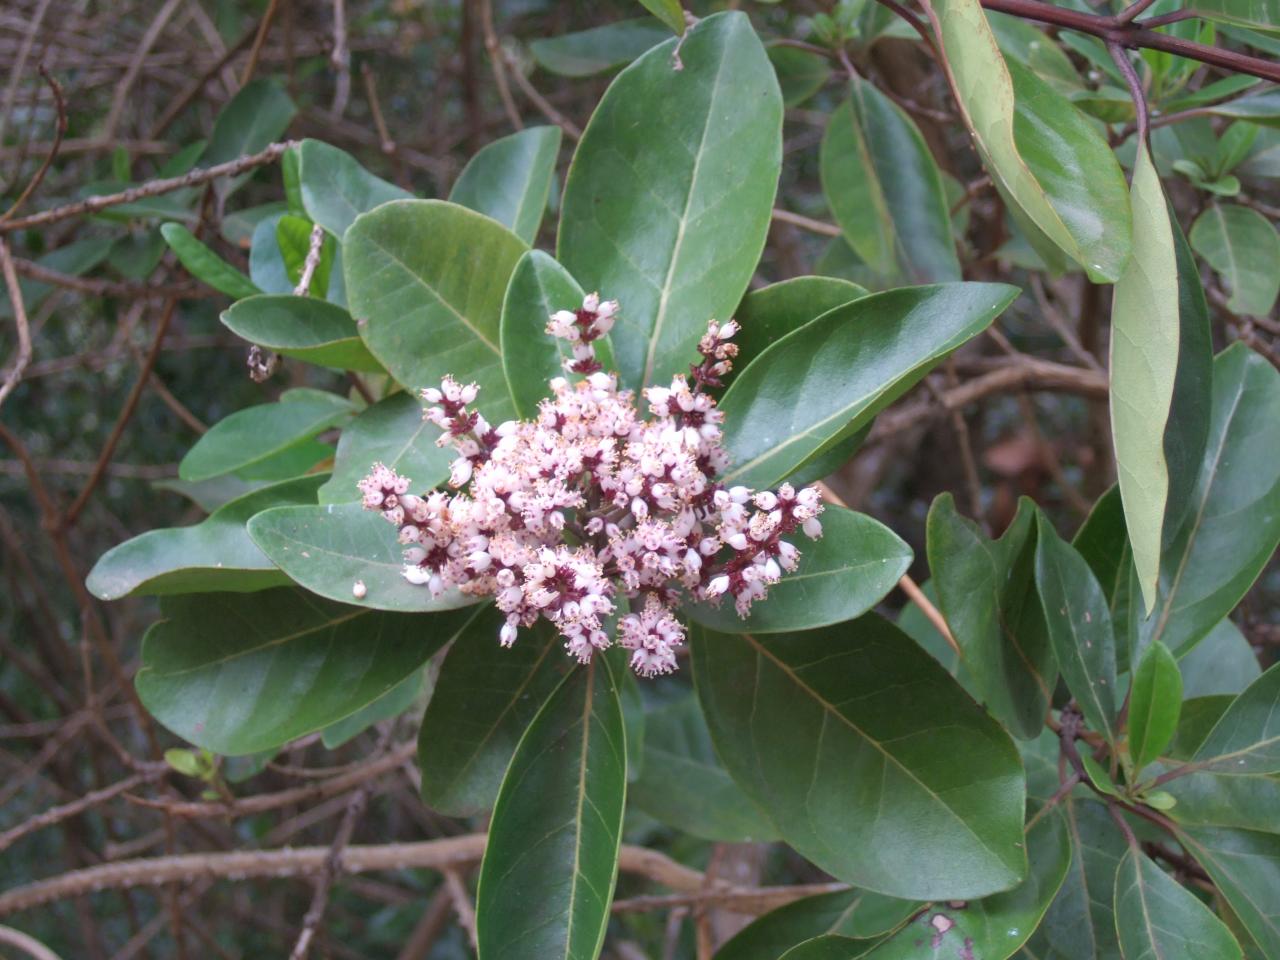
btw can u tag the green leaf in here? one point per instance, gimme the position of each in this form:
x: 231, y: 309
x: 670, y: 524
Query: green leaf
x: 1159, y: 918
x: 240, y: 673
x: 684, y: 785
x: 988, y: 595
x: 1104, y: 543
x: 598, y: 50
x: 1079, y: 625
x: 391, y: 704
x: 829, y: 379
x: 1050, y: 164
x: 301, y: 327
x: 266, y: 263
x: 510, y: 180
x: 1260, y: 108
x: 670, y: 194
x: 1241, y: 245
x: 1154, y: 703
x: 668, y: 11
x: 329, y: 548
x: 770, y: 313
x: 427, y: 278
x: 1245, y: 867
x: 1144, y: 362
x: 1034, y: 49
x: 203, y: 264
x: 858, y: 914
x: 336, y: 189
x: 549, y: 867
x: 1232, y: 526
x: 1261, y: 15
x: 800, y: 73
x: 1223, y: 662
x: 257, y: 116
x: 1246, y: 740
x: 995, y: 927
x: 213, y: 555
x: 885, y: 189
x: 530, y: 356
x: 392, y: 431
x: 1080, y: 924
x: 850, y: 737
x: 848, y: 571
x: 293, y: 235
x: 484, y: 698
x: 255, y: 434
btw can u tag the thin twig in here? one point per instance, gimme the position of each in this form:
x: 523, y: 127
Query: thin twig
x: 26, y: 943
x: 264, y: 27
x: 463, y: 908
x: 498, y: 61
x: 806, y: 223
x: 23, y: 355
x: 315, y: 246
x: 153, y: 188
x: 1135, y: 89
x: 125, y: 85
x: 341, y: 60
x: 571, y: 129
x: 60, y: 129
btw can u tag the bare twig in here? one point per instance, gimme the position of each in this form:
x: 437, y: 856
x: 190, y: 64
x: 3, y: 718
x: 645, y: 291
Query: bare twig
x: 462, y: 905
x: 315, y: 246
x: 498, y: 61
x: 60, y: 129
x: 264, y: 27
x: 571, y: 129
x: 806, y: 223
x: 341, y: 60
x: 121, y: 96
x: 154, y: 188
x: 26, y: 943
x: 448, y: 853
x: 1135, y: 87
x: 23, y: 354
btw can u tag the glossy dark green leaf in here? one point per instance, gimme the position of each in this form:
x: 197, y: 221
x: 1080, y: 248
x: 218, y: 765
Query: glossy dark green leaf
x: 841, y: 576
x: 391, y: 704
x: 1154, y: 703
x: 856, y: 914
x: 549, y: 867
x: 585, y: 53
x: 913, y: 622
x: 239, y: 673
x: 850, y: 737
x: 484, y: 698
x: 1080, y: 629
x: 427, y: 279
x: 770, y: 313
x: 336, y: 189
x: 684, y: 785
x: 801, y: 73
x: 331, y: 547
x: 1159, y: 919
x: 1187, y: 431
x: 302, y: 327
x: 1032, y: 47
x: 510, y: 180
x: 995, y: 927
x: 1104, y: 543
x: 1232, y: 526
x: 829, y: 379
x: 254, y: 434
x: 530, y: 356
x: 213, y: 555
x: 1242, y: 245
x: 1144, y: 363
x: 1246, y: 740
x: 203, y: 264
x: 307, y: 456
x: 257, y: 116
x: 1223, y: 662
x: 1080, y: 923
x: 988, y: 595
x: 392, y: 431
x: 1245, y: 867
x: 1051, y: 164
x: 886, y: 191
x: 670, y: 194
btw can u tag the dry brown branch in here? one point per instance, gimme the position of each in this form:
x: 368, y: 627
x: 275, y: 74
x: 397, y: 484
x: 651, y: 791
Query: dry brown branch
x: 131, y: 74
x: 453, y: 853
x: 806, y: 223
x: 60, y: 128
x: 26, y: 943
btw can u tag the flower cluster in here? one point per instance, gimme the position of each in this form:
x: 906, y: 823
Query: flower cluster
x: 562, y: 517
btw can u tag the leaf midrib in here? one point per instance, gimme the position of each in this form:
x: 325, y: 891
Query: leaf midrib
x: 830, y: 708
